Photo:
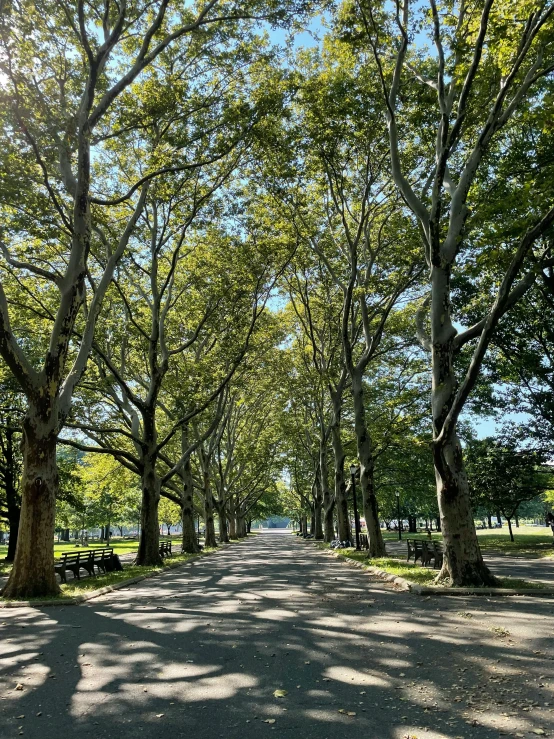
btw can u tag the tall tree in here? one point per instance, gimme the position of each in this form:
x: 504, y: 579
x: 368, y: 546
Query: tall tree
x: 71, y: 74
x: 441, y: 137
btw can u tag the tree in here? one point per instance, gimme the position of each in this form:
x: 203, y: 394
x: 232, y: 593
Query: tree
x: 472, y: 88
x: 503, y: 474
x: 56, y: 124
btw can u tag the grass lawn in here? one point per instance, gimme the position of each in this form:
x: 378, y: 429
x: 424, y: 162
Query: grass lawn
x: 120, y: 546
x: 534, y: 541
x: 75, y: 587
x: 421, y: 575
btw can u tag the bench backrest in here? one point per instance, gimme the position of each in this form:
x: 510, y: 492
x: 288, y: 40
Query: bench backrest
x: 74, y: 557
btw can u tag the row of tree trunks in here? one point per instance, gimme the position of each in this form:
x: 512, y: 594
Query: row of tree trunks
x: 317, y: 497
x: 328, y: 500
x: 12, y: 499
x: 341, y: 501
x: 190, y: 541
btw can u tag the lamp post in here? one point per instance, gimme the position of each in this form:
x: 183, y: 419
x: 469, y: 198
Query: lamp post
x: 398, y: 509
x: 353, y: 470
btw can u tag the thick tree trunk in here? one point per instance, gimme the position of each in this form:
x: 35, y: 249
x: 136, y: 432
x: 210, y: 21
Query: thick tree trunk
x: 516, y: 519
x: 367, y: 465
x: 312, y: 520
x: 32, y: 575
x: 248, y: 525
x: 499, y: 517
x: 328, y: 499
x: 210, y: 540
x: 232, y: 525
x: 341, y: 500
x: 463, y: 563
x: 149, y: 545
x: 489, y: 520
x: 509, y: 520
x: 412, y: 524
x: 304, y: 524
x: 190, y: 541
x: 241, y: 525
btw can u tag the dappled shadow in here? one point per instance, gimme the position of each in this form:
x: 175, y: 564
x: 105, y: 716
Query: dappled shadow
x: 275, y: 613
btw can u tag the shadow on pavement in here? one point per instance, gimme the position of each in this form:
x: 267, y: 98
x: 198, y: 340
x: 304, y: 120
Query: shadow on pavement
x: 201, y: 650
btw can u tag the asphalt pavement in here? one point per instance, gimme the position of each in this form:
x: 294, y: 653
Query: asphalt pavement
x: 273, y: 637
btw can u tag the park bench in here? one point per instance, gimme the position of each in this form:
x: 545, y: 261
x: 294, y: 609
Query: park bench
x: 364, y: 541
x: 415, y: 547
x: 165, y: 548
x: 427, y: 551
x: 439, y: 554
x: 103, y: 559
x: 75, y: 561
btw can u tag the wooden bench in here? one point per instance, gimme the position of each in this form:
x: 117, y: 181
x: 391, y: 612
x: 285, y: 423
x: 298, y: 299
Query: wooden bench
x: 165, y: 548
x: 364, y: 541
x: 103, y: 559
x: 427, y: 551
x: 438, y: 549
x: 75, y: 561
x: 415, y: 547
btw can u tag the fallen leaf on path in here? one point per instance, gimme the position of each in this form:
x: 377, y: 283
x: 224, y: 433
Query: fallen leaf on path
x: 159, y: 715
x: 19, y: 686
x: 269, y: 721
x: 280, y: 693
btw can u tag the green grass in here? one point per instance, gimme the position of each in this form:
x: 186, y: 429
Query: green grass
x: 422, y: 575
x: 76, y: 587
x: 534, y: 541
x: 396, y: 567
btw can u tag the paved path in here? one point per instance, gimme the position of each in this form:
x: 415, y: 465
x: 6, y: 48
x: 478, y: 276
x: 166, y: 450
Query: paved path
x: 198, y: 652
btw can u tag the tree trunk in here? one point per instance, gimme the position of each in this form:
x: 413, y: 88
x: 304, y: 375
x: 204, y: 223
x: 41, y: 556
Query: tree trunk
x: 223, y: 524
x: 312, y: 520
x: 365, y: 457
x: 304, y: 524
x: 499, y: 517
x: 190, y: 541
x: 509, y: 520
x: 516, y: 518
x: 32, y: 575
x: 12, y: 500
x: 318, y: 508
x: 341, y: 500
x: 438, y: 521
x: 149, y: 545
x: 412, y: 524
x: 210, y: 540
x: 248, y: 525
x: 232, y: 525
x: 241, y: 525
x: 463, y: 562
x: 328, y: 499
x: 489, y: 520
